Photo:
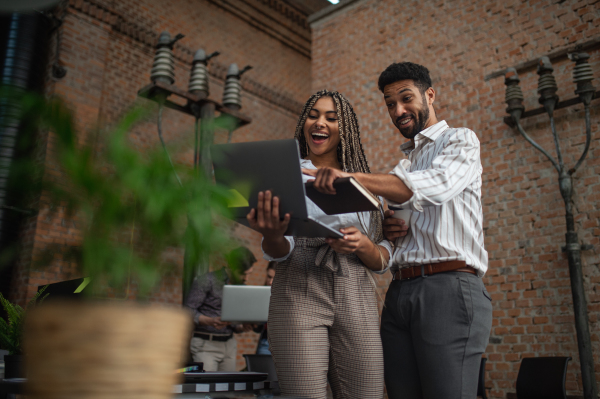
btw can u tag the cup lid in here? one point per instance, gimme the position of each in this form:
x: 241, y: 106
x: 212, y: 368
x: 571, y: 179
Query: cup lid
x: 395, y: 207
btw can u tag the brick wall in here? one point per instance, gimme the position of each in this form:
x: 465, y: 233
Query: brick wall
x: 106, y: 47
x: 462, y: 42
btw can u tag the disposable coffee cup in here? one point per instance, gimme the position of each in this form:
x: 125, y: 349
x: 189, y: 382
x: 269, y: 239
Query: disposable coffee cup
x: 400, y: 213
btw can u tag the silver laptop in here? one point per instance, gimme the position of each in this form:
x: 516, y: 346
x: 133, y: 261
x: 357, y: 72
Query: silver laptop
x: 247, y: 168
x: 245, y: 303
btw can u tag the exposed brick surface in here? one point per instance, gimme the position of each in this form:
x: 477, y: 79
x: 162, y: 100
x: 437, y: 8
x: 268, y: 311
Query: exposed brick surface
x: 461, y: 42
x: 107, y: 50
x: 106, y: 47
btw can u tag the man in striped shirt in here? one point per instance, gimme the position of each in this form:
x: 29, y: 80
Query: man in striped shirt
x: 438, y: 315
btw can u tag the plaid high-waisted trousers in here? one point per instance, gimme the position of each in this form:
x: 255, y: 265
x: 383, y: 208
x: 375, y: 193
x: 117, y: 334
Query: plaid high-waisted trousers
x: 324, y: 324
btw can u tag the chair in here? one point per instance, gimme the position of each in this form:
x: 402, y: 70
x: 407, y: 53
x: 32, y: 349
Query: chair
x: 262, y: 364
x: 542, y: 378
x: 481, y: 383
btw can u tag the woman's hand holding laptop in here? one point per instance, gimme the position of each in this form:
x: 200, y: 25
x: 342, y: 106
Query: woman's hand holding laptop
x: 265, y: 219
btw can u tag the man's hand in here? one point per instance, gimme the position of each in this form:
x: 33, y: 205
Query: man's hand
x: 242, y: 328
x: 353, y: 241
x: 265, y: 219
x: 214, y: 322
x: 324, y: 178
x: 393, y: 228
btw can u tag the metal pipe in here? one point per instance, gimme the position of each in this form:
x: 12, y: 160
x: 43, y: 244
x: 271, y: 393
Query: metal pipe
x: 588, y: 140
x: 204, y: 164
x: 547, y: 90
x: 536, y: 145
x: 556, y: 143
x: 207, y: 134
x: 162, y: 142
x: 573, y: 249
x: 196, y: 143
x: 23, y: 60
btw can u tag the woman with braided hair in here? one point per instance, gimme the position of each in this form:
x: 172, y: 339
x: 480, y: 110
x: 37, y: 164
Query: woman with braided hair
x: 323, y: 318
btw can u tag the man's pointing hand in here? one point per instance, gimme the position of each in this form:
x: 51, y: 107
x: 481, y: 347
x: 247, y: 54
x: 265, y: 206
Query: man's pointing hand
x: 324, y: 178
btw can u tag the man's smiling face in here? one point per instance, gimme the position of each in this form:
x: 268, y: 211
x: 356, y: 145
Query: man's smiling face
x: 408, y: 108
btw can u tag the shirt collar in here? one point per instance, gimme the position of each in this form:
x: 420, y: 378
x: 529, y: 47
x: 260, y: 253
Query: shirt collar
x: 431, y: 133
x: 307, y: 164
x: 407, y: 147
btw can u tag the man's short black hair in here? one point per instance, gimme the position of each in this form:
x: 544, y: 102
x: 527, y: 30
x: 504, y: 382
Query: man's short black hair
x: 405, y: 70
x: 241, y: 256
x: 271, y: 265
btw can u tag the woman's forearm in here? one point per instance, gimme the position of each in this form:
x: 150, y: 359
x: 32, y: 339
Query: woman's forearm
x: 276, y: 247
x: 374, y: 256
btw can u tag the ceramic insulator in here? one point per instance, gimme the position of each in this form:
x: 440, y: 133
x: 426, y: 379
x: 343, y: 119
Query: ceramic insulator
x: 163, y: 69
x: 582, y: 72
x: 547, y: 81
x: 199, y: 78
x: 232, y: 92
x: 513, y: 92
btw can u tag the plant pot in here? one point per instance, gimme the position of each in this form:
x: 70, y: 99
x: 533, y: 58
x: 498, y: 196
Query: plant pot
x: 13, y: 366
x: 103, y: 350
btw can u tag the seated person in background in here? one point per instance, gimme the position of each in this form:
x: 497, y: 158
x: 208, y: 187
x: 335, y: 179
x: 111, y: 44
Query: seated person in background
x: 213, y: 342
x: 263, y: 340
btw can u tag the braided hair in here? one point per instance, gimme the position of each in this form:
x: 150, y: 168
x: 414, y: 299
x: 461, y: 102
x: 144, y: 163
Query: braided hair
x: 350, y: 152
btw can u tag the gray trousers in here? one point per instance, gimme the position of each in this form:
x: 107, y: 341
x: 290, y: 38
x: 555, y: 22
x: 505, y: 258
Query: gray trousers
x: 434, y: 331
x: 216, y: 355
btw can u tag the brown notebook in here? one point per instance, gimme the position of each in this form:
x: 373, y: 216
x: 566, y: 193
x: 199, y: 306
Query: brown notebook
x: 351, y: 196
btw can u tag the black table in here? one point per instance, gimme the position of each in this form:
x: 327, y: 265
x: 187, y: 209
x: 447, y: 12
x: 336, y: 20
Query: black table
x: 9, y: 388
x: 230, y: 389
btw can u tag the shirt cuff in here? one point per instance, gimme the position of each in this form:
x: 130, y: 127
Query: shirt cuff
x: 414, y: 202
x: 196, y: 316
x: 386, y: 244
x: 270, y: 258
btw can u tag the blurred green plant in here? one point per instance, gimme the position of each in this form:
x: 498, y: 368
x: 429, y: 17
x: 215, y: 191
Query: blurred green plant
x: 11, y: 329
x: 132, y: 207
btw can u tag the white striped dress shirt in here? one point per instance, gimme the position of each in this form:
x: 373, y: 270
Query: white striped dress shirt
x: 443, y: 170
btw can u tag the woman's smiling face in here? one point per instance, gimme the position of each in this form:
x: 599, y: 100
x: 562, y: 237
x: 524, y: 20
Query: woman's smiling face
x: 321, y: 129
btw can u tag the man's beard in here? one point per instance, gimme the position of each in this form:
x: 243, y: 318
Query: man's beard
x: 419, y: 123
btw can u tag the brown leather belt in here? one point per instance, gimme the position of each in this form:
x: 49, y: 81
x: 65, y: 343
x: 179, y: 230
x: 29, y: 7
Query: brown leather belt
x: 407, y: 273
x: 212, y: 337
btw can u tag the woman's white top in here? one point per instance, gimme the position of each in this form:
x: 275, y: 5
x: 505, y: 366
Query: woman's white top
x: 334, y: 221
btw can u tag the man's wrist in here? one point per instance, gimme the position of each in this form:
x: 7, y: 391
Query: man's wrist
x: 366, y: 179
x: 274, y: 239
x: 275, y: 246
x: 358, y: 176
